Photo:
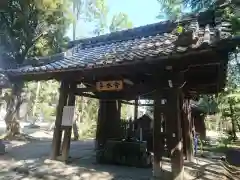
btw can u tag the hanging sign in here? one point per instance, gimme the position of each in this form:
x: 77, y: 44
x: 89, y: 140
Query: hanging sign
x: 109, y: 85
x: 68, y: 115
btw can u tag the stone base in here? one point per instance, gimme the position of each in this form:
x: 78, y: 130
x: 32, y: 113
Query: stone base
x: 157, y: 171
x: 2, y: 148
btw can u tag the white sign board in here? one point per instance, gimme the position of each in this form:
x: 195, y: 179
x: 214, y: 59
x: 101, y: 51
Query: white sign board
x: 68, y: 115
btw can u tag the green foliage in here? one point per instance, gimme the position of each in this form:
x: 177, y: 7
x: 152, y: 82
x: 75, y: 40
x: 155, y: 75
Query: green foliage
x: 170, y: 9
x: 33, y: 27
x: 97, y: 12
x: 226, y: 140
x: 231, y: 14
x: 207, y: 104
x: 45, y: 101
x: 120, y: 21
x: 179, y: 29
x: 125, y: 111
x: 88, y: 110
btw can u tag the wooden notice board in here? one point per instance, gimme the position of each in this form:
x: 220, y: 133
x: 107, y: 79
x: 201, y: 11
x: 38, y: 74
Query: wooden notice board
x: 68, y: 115
x: 109, y: 85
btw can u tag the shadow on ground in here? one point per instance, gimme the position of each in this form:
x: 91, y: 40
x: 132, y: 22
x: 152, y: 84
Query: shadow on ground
x: 31, y: 160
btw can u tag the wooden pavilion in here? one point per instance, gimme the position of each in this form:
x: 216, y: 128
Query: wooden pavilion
x: 167, y: 62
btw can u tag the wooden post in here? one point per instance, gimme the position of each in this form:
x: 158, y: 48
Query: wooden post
x: 119, y: 108
x: 188, y: 133
x: 183, y: 123
x: 135, y: 109
x: 187, y: 130
x: 68, y: 130
x: 57, y: 136
x: 157, y: 137
x: 100, y: 125
x: 109, y: 122
x: 175, y: 133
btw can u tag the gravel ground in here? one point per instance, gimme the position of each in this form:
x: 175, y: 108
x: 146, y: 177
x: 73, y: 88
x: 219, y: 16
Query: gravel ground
x: 29, y: 160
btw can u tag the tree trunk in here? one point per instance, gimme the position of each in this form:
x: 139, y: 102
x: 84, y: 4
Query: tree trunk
x: 76, y: 120
x: 13, y: 105
x: 75, y: 130
x: 74, y: 22
x: 36, y: 99
x: 238, y: 125
x: 233, y: 121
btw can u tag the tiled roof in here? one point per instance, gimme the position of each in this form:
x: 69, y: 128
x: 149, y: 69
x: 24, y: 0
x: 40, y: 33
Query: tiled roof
x: 159, y: 40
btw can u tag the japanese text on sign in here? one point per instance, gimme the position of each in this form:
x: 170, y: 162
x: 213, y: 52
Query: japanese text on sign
x: 109, y: 85
x: 68, y: 115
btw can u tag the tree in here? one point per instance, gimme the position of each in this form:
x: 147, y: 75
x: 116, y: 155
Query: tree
x: 229, y: 100
x: 44, y: 99
x: 97, y: 12
x: 31, y: 28
x: 170, y: 9
x: 81, y: 11
x: 77, y: 7
x: 120, y: 21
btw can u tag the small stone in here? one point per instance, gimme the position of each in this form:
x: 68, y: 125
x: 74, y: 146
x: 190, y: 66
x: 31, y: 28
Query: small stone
x: 50, y: 177
x: 22, y: 170
x: 39, y: 174
x: 26, y: 178
x: 49, y: 161
x: 75, y: 177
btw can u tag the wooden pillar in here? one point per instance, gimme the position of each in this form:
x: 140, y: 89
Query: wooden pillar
x: 158, y: 148
x: 188, y: 132
x: 119, y: 108
x: 135, y: 109
x: 183, y: 123
x: 109, y: 122
x: 68, y: 129
x: 113, y: 121
x: 174, y: 131
x: 100, y: 123
x: 57, y: 136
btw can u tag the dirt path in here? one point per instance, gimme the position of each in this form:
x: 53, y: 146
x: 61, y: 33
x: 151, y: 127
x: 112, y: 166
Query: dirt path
x: 25, y: 160
x: 30, y: 161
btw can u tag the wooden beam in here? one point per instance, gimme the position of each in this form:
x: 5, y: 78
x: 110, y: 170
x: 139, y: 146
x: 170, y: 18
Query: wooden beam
x: 130, y: 103
x: 82, y: 90
x: 131, y: 92
x: 68, y: 129
x: 57, y: 136
x: 87, y: 95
